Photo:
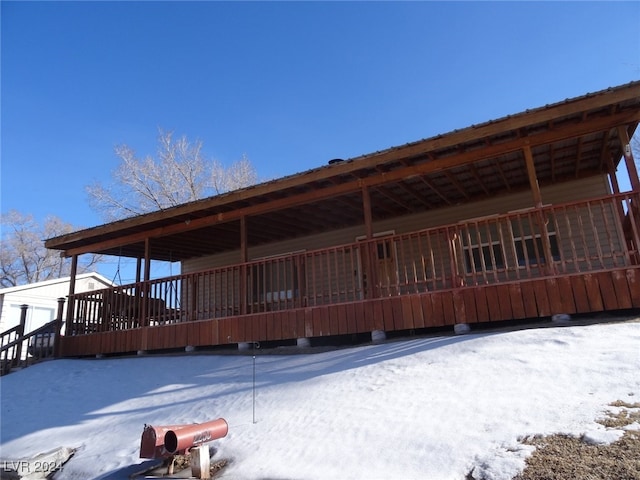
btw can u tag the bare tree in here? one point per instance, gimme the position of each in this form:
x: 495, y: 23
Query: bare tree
x: 23, y: 256
x: 179, y: 174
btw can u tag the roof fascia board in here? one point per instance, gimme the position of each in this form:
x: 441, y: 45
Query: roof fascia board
x: 379, y: 179
x: 513, y: 122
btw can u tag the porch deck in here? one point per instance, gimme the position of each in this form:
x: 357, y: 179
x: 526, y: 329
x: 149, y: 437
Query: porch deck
x: 572, y: 258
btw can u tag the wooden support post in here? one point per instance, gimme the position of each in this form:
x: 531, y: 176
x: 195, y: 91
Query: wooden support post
x: 613, y: 177
x: 147, y: 259
x: 533, y: 177
x: 302, y: 282
x: 56, y: 338
x: 368, y: 217
x: 243, y: 268
x: 144, y: 322
x: 540, y: 220
x: 145, y: 286
x: 192, y: 282
x: 625, y: 142
x: 20, y: 332
x: 72, y: 291
x: 457, y: 278
x: 370, y: 251
x: 615, y: 186
x: 138, y: 270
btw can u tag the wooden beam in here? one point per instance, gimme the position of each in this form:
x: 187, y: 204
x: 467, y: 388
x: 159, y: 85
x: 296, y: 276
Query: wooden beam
x: 269, y: 224
x: 476, y: 175
x: 414, y: 193
x: 147, y: 259
x: 437, y: 164
x: 350, y: 202
x: 244, y: 257
x: 612, y: 176
x: 435, y: 189
x: 502, y: 175
x: 394, y: 198
x: 72, y: 291
x: 605, y: 154
x: 552, y: 162
x: 456, y: 183
x: 623, y: 134
x: 537, y: 199
x: 138, y: 269
x: 243, y: 239
x: 514, y: 122
x: 366, y: 207
x: 578, y: 155
x: 558, y: 134
x: 533, y: 179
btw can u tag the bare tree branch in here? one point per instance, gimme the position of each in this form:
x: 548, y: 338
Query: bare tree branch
x: 179, y: 174
x: 23, y: 256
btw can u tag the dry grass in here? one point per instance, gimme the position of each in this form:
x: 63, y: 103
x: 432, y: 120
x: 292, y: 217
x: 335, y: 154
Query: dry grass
x: 561, y: 457
x: 181, y: 463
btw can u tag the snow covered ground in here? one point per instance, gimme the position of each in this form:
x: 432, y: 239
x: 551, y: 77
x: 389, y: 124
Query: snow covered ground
x: 424, y: 408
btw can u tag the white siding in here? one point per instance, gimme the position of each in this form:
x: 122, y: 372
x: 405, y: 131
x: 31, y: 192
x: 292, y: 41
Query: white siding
x: 42, y: 299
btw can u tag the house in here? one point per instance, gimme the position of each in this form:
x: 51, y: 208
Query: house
x: 42, y: 299
x: 520, y: 217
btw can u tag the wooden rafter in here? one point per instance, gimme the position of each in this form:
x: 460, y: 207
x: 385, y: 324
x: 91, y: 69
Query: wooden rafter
x: 456, y: 183
x: 476, y: 175
x: 381, y: 206
x: 263, y: 226
x: 623, y: 135
x: 605, y: 154
x: 349, y: 202
x: 533, y: 178
x: 502, y: 174
x: 415, y: 194
x: 435, y: 189
x: 395, y: 198
x: 578, y: 156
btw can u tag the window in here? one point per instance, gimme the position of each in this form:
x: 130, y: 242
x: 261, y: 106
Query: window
x: 530, y: 249
x: 491, y: 255
x: 384, y: 250
x: 275, y: 280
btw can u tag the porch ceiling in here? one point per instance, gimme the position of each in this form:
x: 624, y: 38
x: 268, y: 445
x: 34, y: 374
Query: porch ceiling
x: 572, y: 139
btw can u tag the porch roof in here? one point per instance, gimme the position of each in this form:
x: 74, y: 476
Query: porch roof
x: 571, y: 139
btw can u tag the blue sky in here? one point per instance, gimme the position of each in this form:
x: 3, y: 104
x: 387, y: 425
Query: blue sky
x: 288, y: 84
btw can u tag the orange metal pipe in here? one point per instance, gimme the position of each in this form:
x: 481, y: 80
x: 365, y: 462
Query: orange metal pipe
x: 152, y: 441
x: 185, y: 437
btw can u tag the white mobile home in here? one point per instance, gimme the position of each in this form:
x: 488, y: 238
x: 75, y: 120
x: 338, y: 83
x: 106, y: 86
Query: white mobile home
x: 42, y: 299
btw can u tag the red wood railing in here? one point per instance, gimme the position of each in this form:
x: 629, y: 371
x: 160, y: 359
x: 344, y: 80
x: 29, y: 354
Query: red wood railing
x: 565, y: 239
x: 19, y: 349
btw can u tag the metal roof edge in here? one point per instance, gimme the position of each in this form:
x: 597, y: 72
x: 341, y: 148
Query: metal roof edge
x: 254, y: 190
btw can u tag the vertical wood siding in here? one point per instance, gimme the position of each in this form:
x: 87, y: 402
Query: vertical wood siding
x: 580, y: 293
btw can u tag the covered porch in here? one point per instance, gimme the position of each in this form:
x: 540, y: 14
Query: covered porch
x: 516, y: 218
x: 578, y: 257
